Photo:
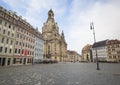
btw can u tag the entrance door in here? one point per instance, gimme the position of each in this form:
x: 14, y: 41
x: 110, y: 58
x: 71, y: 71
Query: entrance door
x: 9, y: 61
x: 24, y: 61
x: 3, y: 61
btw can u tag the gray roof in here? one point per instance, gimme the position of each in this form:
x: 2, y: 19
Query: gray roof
x: 100, y: 44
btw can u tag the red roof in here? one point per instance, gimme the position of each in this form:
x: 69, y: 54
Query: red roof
x: 110, y: 42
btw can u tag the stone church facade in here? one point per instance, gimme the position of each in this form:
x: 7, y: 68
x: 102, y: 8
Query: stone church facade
x: 55, y: 46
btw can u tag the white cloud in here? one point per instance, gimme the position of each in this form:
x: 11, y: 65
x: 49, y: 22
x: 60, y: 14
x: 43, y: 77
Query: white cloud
x: 74, y: 18
x: 35, y: 11
x: 106, y: 18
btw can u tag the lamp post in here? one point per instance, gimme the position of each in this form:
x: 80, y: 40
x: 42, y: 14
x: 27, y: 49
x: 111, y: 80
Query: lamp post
x: 92, y: 28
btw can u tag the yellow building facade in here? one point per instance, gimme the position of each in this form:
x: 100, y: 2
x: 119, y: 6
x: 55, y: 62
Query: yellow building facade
x: 86, y: 53
x: 73, y: 56
x: 55, y: 46
x: 8, y: 28
x: 113, y: 51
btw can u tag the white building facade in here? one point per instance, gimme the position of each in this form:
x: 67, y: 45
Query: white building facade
x: 38, y: 48
x: 101, y: 48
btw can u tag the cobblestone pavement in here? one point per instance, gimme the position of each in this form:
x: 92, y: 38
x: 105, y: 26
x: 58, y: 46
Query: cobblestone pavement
x: 61, y: 74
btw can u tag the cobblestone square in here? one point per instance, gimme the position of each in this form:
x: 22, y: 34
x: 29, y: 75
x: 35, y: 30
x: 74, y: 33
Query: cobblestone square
x: 61, y: 74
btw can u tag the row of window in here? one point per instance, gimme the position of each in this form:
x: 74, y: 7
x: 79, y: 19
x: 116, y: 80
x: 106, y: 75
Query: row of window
x: 113, y: 50
x: 6, y: 50
x: 21, y: 60
x: 7, y: 25
x: 39, y: 40
x: 113, y: 46
x: 36, y: 54
x: 25, y: 38
x: 7, y: 32
x: 99, y: 48
x: 24, y: 44
x: 22, y: 51
x: 25, y: 32
x: 39, y: 43
x: 8, y: 41
x: 114, y: 57
x: 37, y: 49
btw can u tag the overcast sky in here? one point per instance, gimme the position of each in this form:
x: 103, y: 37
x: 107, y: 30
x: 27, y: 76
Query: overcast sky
x: 73, y: 17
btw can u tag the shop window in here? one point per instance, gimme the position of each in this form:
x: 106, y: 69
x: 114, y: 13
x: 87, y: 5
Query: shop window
x: 20, y: 60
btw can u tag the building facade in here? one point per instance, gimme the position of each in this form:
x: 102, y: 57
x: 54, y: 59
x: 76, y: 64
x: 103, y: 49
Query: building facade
x: 8, y: 28
x: 101, y: 48
x: 24, y: 44
x: 17, y: 39
x: 113, y: 51
x: 55, y: 46
x: 87, y: 53
x: 73, y: 56
x: 38, y: 47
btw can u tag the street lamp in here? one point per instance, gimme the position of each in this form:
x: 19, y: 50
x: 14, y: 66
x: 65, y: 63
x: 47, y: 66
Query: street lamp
x: 92, y: 28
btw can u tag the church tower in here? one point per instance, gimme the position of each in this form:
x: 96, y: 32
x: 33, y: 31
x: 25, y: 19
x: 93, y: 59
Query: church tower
x: 55, y: 46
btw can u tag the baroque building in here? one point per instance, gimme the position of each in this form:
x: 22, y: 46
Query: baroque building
x: 87, y: 53
x: 73, y: 56
x: 55, y: 46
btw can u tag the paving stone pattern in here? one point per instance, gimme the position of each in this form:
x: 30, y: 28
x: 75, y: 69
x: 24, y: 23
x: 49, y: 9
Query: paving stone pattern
x: 61, y: 74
